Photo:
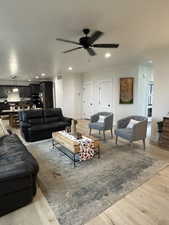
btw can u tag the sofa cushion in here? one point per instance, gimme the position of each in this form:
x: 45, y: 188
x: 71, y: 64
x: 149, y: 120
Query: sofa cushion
x: 11, y: 175
x: 52, y: 119
x: 26, y: 115
x: 125, y: 133
x: 49, y: 126
x: 11, y: 149
x: 57, y: 112
x: 35, y: 121
x: 17, y: 165
x: 97, y: 126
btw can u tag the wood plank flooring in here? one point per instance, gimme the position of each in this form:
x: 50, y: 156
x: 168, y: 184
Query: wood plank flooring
x: 147, y: 205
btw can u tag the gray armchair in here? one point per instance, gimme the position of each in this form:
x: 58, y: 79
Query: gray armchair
x: 106, y: 125
x: 138, y: 132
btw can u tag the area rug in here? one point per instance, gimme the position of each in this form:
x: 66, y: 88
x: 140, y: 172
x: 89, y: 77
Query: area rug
x: 76, y: 195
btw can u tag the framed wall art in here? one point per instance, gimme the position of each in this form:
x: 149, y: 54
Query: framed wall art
x: 126, y: 90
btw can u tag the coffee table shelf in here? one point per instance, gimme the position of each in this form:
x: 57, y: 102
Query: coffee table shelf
x: 70, y: 147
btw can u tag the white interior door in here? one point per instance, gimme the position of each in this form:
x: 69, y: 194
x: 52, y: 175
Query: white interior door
x: 87, y: 100
x: 105, y: 98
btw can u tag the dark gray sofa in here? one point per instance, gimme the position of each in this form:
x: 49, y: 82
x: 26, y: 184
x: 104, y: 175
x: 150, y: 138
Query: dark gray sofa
x: 39, y: 124
x: 18, y: 173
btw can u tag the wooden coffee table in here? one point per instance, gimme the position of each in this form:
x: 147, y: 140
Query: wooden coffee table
x: 71, y: 148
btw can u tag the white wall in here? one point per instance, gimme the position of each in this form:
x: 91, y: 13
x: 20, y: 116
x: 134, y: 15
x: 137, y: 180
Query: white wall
x: 114, y: 74
x: 78, y: 96
x: 161, y: 89
x: 68, y: 94
x: 69, y: 90
x: 58, y: 92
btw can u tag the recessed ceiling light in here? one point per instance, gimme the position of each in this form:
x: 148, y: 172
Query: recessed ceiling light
x: 13, y: 76
x: 15, y: 90
x: 107, y: 55
x: 43, y: 74
x: 150, y: 61
x: 37, y: 77
x: 70, y: 68
x: 29, y: 80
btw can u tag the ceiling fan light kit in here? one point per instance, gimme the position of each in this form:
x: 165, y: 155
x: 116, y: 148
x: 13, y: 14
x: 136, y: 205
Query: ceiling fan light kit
x: 87, y: 42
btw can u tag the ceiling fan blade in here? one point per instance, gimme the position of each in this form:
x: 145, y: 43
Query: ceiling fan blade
x: 73, y: 49
x: 106, y: 45
x: 91, y: 51
x: 95, y: 36
x: 73, y: 42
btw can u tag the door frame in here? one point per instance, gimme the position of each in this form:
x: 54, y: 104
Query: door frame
x: 98, y: 82
x: 83, y: 85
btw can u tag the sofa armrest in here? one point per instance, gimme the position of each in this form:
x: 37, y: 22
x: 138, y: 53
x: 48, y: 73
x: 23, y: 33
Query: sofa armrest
x: 140, y: 130
x: 20, y: 116
x: 25, y: 125
x: 94, y: 118
x: 14, y: 171
x: 108, y: 122
x: 68, y: 120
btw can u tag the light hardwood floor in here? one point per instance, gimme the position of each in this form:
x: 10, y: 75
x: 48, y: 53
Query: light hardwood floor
x: 147, y: 205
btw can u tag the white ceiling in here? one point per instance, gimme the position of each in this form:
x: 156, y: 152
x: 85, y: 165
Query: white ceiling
x: 28, y: 29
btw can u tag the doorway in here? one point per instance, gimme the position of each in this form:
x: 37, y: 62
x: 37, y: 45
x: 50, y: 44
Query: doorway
x: 87, y: 100
x: 104, y: 96
x: 150, y: 100
x: 149, y: 107
x: 145, y: 93
x: 97, y: 97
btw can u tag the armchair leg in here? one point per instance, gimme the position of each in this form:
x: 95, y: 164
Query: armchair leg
x: 111, y: 132
x: 116, y: 139
x: 144, y: 144
x: 90, y: 132
x: 104, y: 135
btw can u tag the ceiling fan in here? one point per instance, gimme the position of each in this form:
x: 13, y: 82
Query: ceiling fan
x: 87, y: 42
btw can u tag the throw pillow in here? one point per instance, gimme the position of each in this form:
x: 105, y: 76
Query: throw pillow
x: 101, y: 119
x: 132, y: 123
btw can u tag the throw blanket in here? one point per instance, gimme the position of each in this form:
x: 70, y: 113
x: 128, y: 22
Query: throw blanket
x: 87, y: 148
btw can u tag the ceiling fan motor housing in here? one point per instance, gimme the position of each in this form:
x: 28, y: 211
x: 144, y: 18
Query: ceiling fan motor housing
x: 84, y: 41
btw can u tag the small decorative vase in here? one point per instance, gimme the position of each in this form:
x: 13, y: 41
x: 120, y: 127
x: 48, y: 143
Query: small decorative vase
x: 73, y: 126
x: 68, y: 129
x: 78, y: 135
